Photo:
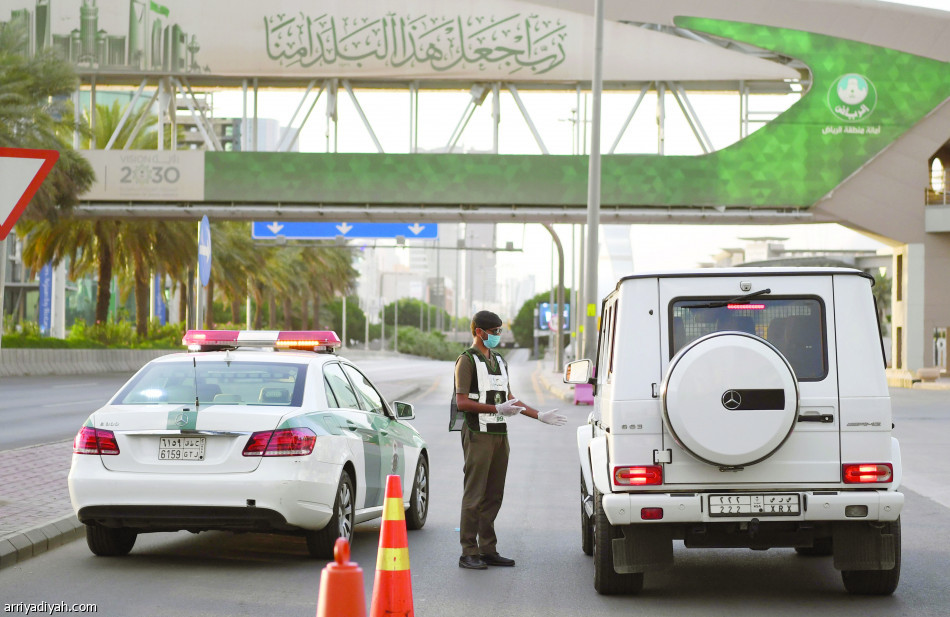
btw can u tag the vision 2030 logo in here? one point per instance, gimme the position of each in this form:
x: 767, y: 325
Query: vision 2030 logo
x: 852, y: 97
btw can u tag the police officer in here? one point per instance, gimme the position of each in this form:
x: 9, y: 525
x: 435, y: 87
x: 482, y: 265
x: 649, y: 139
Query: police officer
x: 483, y: 394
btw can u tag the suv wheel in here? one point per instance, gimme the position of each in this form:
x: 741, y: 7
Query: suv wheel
x: 587, y: 522
x: 608, y: 581
x: 877, y: 582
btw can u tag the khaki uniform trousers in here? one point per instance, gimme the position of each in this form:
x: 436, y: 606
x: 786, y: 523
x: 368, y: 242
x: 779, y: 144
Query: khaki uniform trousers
x: 486, y: 465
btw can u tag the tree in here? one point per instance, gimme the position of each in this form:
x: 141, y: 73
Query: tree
x: 355, y: 318
x: 882, y: 299
x: 132, y: 249
x: 524, y: 323
x: 34, y: 114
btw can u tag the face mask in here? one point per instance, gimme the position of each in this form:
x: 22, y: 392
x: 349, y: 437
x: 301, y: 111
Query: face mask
x: 492, y: 341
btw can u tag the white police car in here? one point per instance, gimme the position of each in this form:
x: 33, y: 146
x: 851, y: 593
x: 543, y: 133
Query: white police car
x: 246, y: 432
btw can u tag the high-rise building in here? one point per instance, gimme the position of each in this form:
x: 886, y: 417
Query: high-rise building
x: 42, y: 23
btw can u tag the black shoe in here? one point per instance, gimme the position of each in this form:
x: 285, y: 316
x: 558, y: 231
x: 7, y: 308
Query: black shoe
x: 494, y: 559
x: 473, y: 562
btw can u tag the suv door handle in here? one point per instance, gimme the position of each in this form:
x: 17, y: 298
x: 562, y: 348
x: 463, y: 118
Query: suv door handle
x: 825, y: 418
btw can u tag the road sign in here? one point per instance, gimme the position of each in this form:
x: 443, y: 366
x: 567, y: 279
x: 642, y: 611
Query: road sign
x: 204, y: 251
x: 315, y: 231
x: 22, y: 171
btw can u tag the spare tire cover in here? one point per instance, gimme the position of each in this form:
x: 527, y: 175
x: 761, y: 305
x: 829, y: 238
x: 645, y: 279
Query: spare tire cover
x: 730, y: 399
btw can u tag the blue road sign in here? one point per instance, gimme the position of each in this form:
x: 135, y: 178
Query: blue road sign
x: 46, y: 299
x: 204, y: 251
x: 315, y: 231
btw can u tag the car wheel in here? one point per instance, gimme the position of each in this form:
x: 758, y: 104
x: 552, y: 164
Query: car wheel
x: 608, y: 581
x: 110, y: 541
x: 320, y: 543
x: 877, y: 582
x: 821, y: 548
x: 587, y: 522
x: 419, y: 499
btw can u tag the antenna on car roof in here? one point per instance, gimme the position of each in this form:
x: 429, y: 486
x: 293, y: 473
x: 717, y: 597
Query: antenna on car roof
x: 194, y: 366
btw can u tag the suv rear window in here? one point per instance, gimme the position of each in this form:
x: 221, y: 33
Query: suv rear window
x: 795, y: 326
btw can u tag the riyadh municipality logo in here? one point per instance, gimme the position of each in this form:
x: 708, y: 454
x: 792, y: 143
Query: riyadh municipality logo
x: 852, y: 97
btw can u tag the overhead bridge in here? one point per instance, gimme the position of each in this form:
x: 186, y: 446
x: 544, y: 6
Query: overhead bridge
x: 775, y: 175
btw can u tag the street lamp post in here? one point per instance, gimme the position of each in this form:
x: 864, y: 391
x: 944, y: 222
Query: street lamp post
x: 593, y: 184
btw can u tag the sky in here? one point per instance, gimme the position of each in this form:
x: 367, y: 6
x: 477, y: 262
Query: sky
x: 652, y: 246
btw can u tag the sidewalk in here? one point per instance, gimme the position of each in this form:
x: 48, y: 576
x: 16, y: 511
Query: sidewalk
x: 553, y: 382
x: 35, y: 512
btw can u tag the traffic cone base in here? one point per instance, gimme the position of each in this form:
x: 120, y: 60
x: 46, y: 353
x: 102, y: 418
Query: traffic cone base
x: 341, y: 585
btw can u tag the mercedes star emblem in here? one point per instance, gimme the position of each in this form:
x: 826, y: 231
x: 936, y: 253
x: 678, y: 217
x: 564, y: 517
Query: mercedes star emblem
x: 182, y: 419
x: 731, y: 399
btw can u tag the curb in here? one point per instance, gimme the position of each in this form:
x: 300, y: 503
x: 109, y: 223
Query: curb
x: 561, y: 390
x: 18, y: 547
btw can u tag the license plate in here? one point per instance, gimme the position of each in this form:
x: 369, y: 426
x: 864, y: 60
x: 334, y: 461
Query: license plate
x: 181, y: 448
x: 764, y: 504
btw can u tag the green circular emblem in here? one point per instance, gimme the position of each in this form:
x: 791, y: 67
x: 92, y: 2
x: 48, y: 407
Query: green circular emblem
x: 852, y: 97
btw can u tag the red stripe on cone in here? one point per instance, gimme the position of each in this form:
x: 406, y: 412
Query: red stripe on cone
x: 341, y: 585
x: 392, y: 589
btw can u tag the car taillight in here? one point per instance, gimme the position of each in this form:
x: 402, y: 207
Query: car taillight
x: 95, y: 441
x: 651, y: 514
x: 282, y: 442
x: 865, y: 473
x: 638, y: 476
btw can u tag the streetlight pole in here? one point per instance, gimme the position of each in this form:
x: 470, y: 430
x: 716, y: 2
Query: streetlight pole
x: 559, y: 310
x: 593, y: 184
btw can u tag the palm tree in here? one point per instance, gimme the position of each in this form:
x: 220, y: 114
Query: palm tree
x: 33, y: 114
x: 133, y: 249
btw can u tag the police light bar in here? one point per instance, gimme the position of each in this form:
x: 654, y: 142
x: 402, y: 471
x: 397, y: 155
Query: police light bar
x: 309, y: 340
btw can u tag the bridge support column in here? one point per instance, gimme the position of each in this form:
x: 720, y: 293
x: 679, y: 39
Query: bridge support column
x: 920, y: 304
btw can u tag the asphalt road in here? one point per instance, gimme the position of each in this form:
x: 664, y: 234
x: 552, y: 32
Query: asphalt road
x: 218, y: 574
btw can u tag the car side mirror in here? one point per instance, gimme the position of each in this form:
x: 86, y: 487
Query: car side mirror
x: 404, y: 411
x: 578, y: 371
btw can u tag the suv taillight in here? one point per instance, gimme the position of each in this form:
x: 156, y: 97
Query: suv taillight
x: 282, y: 442
x: 95, y: 441
x: 867, y: 473
x: 638, y: 476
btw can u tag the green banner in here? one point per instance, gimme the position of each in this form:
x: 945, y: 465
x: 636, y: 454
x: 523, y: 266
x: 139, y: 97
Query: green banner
x: 860, y: 100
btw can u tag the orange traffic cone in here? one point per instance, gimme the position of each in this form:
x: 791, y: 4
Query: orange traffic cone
x: 392, y: 590
x: 341, y: 585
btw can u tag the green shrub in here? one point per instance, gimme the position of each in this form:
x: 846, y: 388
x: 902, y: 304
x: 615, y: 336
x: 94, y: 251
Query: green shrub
x: 427, y: 344
x: 115, y: 335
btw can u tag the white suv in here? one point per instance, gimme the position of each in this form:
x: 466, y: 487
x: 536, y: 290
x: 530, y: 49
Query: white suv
x: 743, y: 407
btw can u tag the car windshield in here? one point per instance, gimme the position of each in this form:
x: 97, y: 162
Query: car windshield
x: 216, y: 383
x: 795, y: 326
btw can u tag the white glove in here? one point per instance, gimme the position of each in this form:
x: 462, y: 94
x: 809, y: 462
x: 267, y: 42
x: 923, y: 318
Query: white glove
x: 551, y: 417
x: 509, y: 408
